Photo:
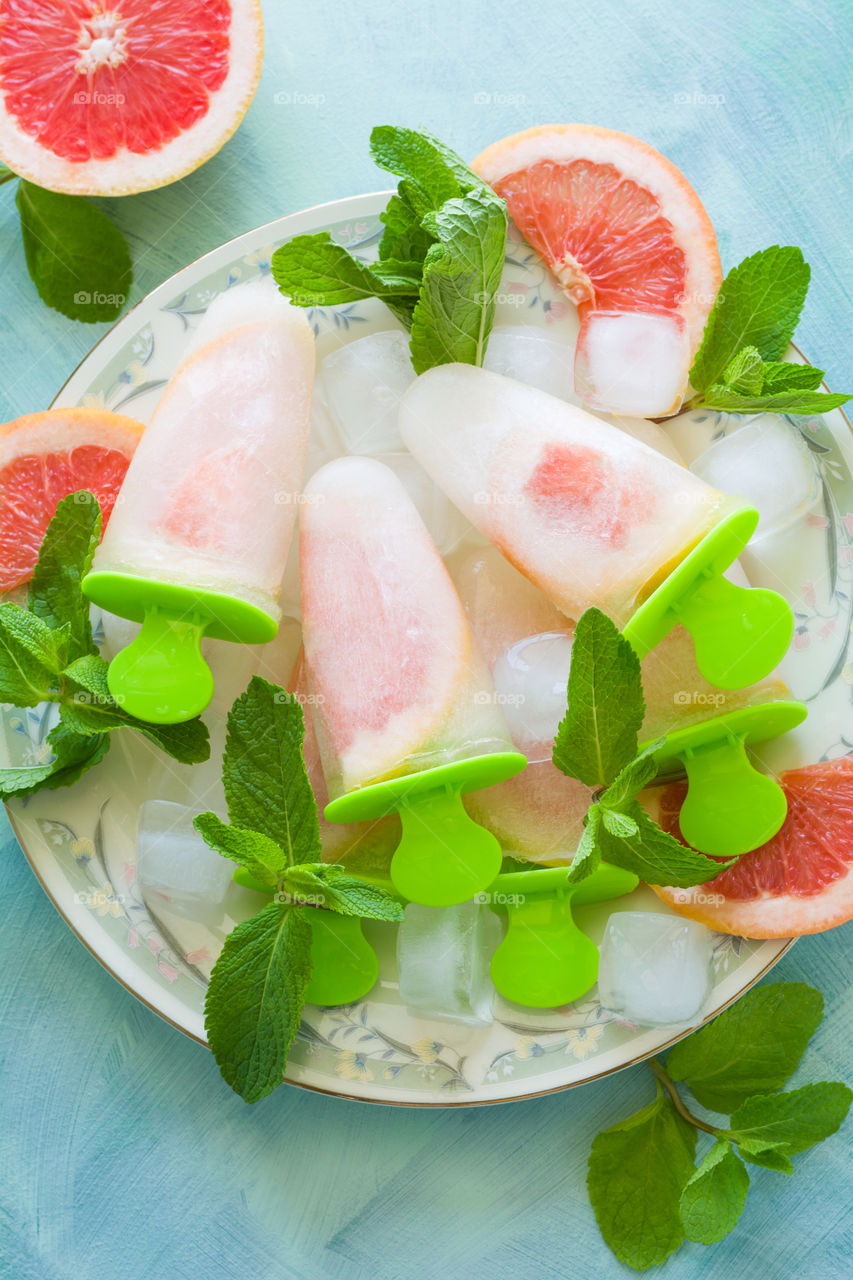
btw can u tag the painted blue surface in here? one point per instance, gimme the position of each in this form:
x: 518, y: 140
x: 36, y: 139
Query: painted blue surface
x: 122, y: 1152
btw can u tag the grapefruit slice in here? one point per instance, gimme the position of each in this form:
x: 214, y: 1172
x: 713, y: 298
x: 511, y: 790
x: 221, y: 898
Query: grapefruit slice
x: 801, y: 881
x: 44, y: 457
x: 628, y: 239
x: 106, y: 98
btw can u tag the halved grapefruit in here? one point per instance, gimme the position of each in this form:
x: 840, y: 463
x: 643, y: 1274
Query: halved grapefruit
x: 630, y: 242
x: 44, y: 457
x: 801, y: 881
x: 106, y: 97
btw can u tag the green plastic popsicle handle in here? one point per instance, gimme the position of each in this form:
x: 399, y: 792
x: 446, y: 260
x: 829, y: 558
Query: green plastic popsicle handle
x: 730, y: 807
x: 740, y: 633
x: 344, y: 965
x: 545, y: 959
x: 161, y: 676
x: 444, y: 856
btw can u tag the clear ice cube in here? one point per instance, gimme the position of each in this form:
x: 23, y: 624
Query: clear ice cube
x: 173, y: 859
x: 443, y: 956
x: 529, y: 354
x: 766, y: 461
x: 531, y: 679
x: 655, y: 969
x: 364, y: 383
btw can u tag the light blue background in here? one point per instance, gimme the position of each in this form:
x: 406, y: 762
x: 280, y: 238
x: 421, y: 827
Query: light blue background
x: 123, y: 1153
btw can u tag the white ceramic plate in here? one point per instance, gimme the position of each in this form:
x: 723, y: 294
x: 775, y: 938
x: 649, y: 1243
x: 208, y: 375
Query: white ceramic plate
x: 81, y: 842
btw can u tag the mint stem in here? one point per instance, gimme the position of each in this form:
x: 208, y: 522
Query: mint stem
x: 676, y: 1100
x: 6, y: 175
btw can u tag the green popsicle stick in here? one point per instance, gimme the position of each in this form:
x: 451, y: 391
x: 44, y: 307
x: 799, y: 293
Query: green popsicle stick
x: 740, y: 633
x: 545, y: 959
x: 161, y: 676
x: 730, y: 807
x: 344, y: 965
x: 444, y: 856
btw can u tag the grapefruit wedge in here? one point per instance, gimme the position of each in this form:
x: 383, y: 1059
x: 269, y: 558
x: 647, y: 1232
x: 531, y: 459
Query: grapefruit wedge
x: 102, y: 98
x: 801, y: 881
x: 628, y: 239
x: 44, y: 457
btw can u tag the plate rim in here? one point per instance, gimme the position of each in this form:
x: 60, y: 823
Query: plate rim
x: 283, y: 226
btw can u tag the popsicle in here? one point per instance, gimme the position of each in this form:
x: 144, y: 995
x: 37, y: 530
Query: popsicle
x: 594, y: 517
x: 203, y: 522
x: 404, y: 707
x: 538, y: 815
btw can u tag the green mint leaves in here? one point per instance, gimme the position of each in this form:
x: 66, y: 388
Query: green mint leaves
x: 47, y: 654
x: 255, y: 998
x: 258, y: 984
x: 596, y: 743
x: 739, y: 367
x: 647, y: 1194
x: 440, y: 256
x: 78, y: 259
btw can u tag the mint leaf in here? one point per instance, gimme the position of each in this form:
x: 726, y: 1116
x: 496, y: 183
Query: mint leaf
x: 313, y: 271
x: 31, y: 656
x: 758, y: 305
x: 403, y: 239
x: 637, y: 1173
x: 621, y: 825
x: 330, y: 886
x: 256, y: 852
x: 801, y: 403
x: 597, y: 736
x: 461, y: 276
x: 745, y: 373
x: 588, y: 856
x: 753, y: 1047
x: 631, y: 780
x: 263, y: 771
x: 55, y: 593
x: 428, y: 177
x: 780, y: 375
x: 78, y: 260
x: 657, y: 857
x: 256, y: 996
x: 89, y: 707
x: 767, y: 1155
x: 713, y: 1200
x: 73, y: 754
x: 792, y: 1121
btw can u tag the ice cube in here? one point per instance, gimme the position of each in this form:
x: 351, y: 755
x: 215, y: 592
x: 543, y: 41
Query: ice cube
x: 364, y: 383
x: 443, y: 956
x: 446, y: 524
x: 531, y: 355
x: 531, y: 678
x: 655, y: 969
x: 631, y: 363
x: 173, y: 859
x: 766, y: 461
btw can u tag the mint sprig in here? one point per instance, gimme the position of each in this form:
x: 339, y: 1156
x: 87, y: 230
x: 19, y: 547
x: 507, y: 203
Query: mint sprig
x: 258, y: 984
x: 597, y: 743
x: 440, y: 256
x: 47, y: 654
x: 647, y: 1194
x: 77, y: 258
x: 739, y: 366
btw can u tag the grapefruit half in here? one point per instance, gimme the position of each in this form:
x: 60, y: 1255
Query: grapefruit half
x: 627, y: 237
x: 44, y: 457
x: 107, y: 97
x: 801, y: 881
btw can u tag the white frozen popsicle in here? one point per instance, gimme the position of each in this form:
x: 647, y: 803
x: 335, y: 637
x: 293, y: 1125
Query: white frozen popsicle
x: 200, y: 533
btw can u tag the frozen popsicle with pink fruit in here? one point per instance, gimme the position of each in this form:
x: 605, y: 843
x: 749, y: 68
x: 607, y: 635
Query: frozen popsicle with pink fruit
x: 595, y: 517
x: 199, y: 537
x: 404, y: 706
